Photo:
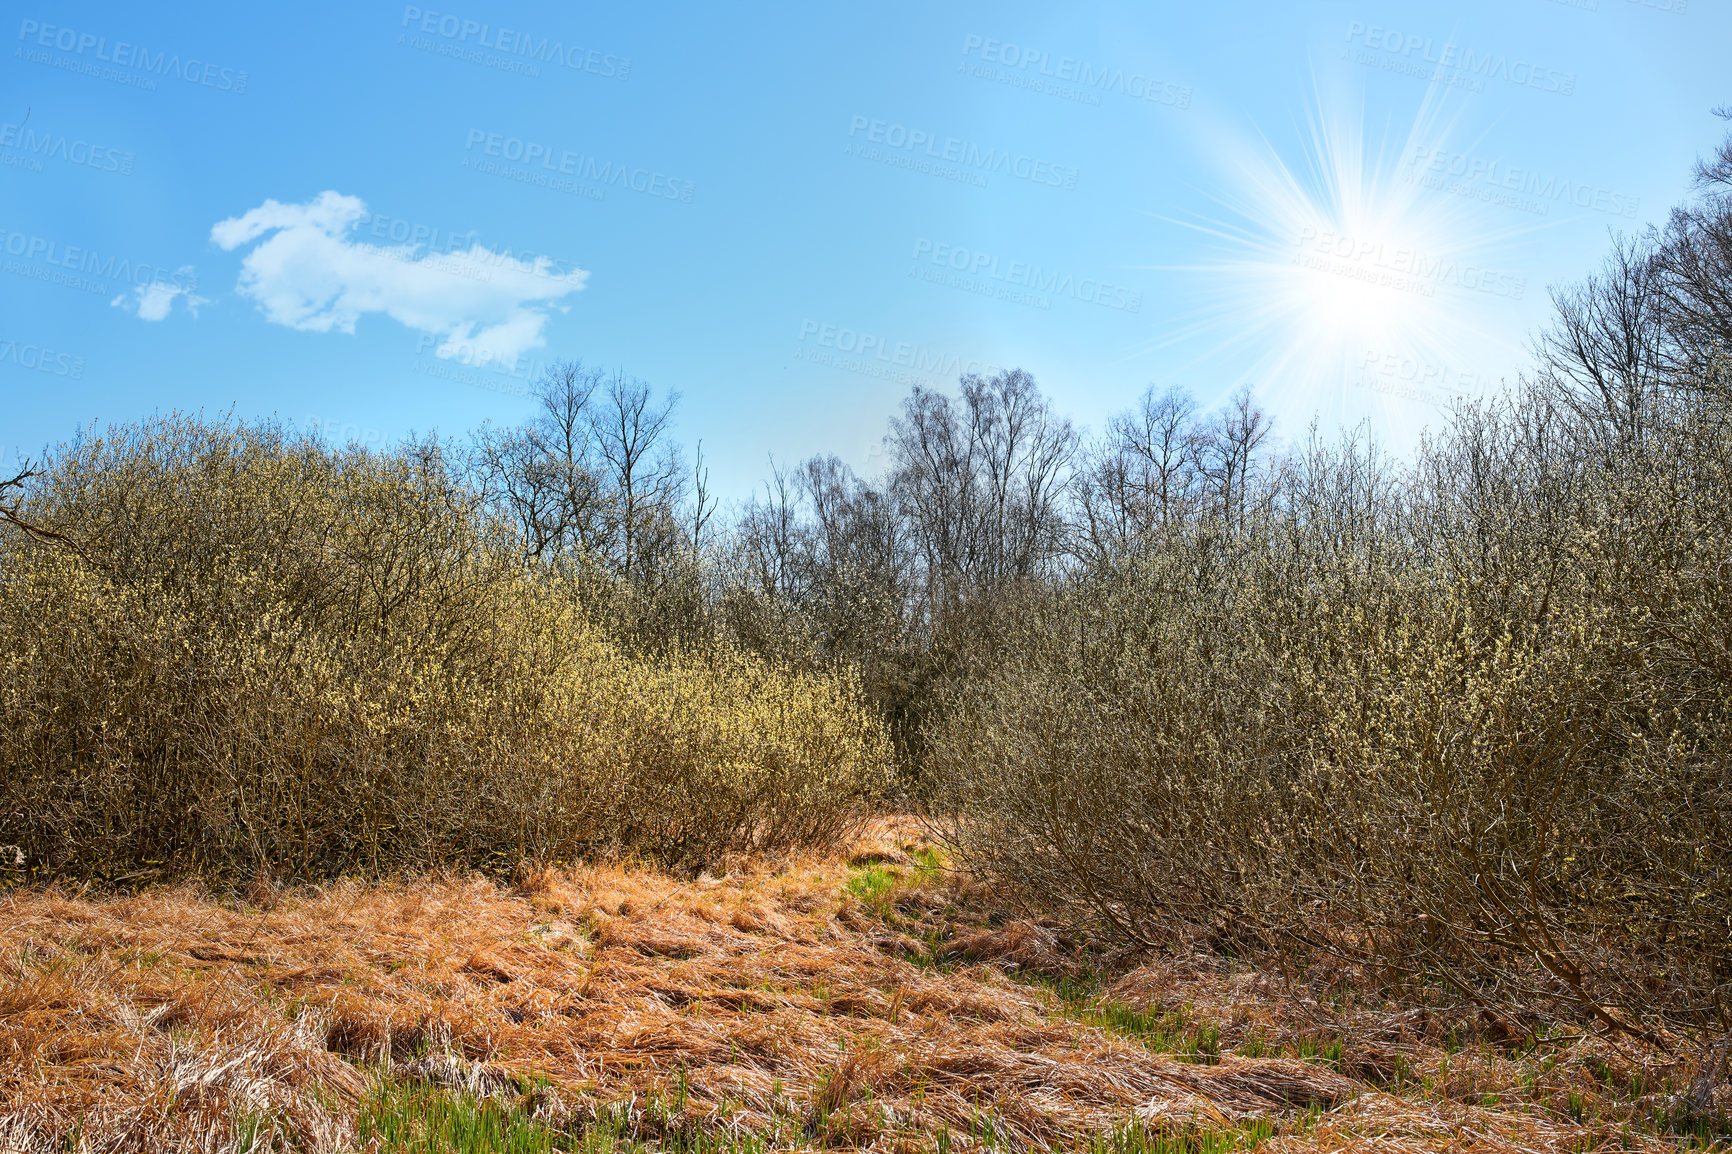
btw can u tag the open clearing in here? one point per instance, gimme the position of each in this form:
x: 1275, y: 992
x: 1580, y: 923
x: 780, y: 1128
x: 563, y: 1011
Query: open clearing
x: 862, y: 1000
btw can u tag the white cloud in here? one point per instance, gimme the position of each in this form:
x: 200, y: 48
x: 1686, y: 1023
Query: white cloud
x: 151, y: 302
x: 312, y: 273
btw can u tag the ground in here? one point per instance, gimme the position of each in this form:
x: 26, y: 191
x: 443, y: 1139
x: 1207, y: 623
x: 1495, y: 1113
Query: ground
x: 867, y: 998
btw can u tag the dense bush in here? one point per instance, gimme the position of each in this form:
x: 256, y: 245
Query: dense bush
x: 1465, y: 719
x: 228, y: 648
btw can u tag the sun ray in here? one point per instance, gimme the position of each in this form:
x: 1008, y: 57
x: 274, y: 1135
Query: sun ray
x: 1338, y: 285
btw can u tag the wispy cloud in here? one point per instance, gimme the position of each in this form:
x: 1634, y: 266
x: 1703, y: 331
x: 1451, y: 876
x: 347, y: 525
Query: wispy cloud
x: 152, y: 302
x: 312, y: 272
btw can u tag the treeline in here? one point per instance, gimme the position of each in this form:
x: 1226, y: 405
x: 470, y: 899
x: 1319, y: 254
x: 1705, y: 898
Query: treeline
x: 985, y: 494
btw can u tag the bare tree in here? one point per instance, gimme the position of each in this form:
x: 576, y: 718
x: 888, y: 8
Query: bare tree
x: 1142, y: 475
x: 860, y: 540
x: 596, y: 475
x: 631, y: 439
x: 544, y: 476
x: 1717, y: 170
x: 981, y: 482
x: 11, y: 491
x: 1229, y: 455
x: 1695, y: 259
x: 1605, y: 357
x: 703, y: 502
x: 773, y: 542
x: 1028, y: 452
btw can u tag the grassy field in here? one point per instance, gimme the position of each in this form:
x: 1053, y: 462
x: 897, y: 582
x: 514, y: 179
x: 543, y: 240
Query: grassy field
x: 865, y: 999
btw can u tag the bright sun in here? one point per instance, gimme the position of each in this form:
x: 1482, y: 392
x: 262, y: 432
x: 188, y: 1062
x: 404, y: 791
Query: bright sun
x: 1345, y: 284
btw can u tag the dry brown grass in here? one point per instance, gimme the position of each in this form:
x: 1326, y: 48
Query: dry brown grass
x: 770, y: 1001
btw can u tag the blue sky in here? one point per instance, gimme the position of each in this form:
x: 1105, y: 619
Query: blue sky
x: 385, y: 218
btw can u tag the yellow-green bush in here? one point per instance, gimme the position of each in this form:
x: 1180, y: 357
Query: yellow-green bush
x: 1468, y: 721
x: 258, y: 652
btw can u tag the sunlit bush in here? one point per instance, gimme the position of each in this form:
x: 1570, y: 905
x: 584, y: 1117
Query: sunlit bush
x: 1465, y: 720
x: 254, y: 652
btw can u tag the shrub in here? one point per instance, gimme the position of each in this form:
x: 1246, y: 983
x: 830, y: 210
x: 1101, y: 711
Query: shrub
x: 258, y: 652
x: 1467, y: 722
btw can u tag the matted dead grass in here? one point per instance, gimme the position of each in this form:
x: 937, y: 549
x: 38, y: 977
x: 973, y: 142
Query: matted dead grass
x: 775, y: 1001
